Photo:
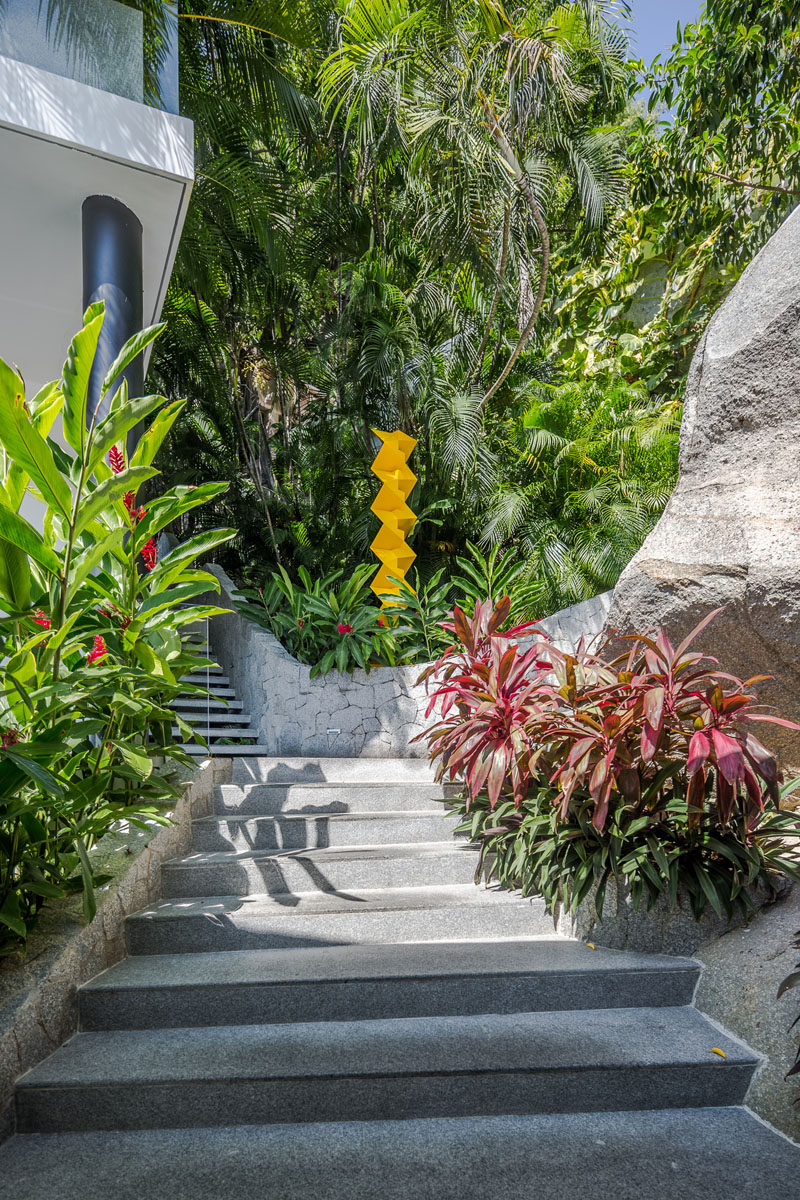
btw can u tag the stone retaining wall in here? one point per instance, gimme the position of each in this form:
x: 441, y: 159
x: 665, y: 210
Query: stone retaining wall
x: 371, y: 715
x: 38, y: 996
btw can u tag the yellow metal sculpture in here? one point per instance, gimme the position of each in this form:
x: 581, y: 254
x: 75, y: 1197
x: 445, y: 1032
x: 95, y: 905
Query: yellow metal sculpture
x: 390, y: 507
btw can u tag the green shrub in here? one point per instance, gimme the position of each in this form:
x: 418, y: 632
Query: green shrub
x: 91, y: 640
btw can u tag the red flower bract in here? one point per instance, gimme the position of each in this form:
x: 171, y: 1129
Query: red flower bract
x: 98, y: 651
x: 135, y: 514
x: 10, y: 737
x: 41, y: 618
x: 344, y: 628
x: 116, y: 460
x: 150, y: 554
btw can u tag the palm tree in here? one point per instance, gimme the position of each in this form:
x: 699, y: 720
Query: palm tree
x: 496, y: 108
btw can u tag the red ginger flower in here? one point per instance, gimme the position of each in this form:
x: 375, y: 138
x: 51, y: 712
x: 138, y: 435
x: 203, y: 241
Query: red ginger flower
x: 345, y: 628
x: 98, y: 651
x: 150, y: 554
x: 10, y: 737
x: 116, y: 460
x: 135, y: 514
x: 41, y: 618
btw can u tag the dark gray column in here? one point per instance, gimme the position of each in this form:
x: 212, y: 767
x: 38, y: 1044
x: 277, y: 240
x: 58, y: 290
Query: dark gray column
x: 112, y: 272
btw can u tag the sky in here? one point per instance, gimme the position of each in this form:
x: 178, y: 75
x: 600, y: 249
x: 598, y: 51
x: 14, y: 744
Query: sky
x: 654, y: 24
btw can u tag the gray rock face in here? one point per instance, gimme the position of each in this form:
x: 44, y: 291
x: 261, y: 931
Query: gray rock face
x: 730, y: 534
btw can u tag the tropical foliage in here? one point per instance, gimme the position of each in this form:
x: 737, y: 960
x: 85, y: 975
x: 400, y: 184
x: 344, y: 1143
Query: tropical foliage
x: 582, y: 768
x: 91, y: 637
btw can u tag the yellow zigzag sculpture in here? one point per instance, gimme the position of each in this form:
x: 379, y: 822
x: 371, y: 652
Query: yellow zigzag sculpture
x: 397, y: 519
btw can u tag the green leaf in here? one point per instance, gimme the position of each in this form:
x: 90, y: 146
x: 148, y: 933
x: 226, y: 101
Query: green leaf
x: 90, y: 558
x: 75, y: 377
x: 108, y: 493
x: 118, y: 423
x: 16, y: 530
x: 26, y: 445
x: 150, y: 442
x: 171, y: 565
x: 136, y: 758
x: 15, y: 576
x: 10, y: 915
x: 131, y: 350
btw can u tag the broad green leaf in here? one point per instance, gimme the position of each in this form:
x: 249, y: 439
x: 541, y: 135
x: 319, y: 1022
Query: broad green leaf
x: 108, y: 493
x: 26, y: 446
x: 131, y: 350
x: 19, y: 532
x: 151, y: 441
x: 44, y: 408
x: 89, y: 901
x: 10, y: 915
x: 113, y: 430
x: 135, y: 757
x: 15, y: 576
x: 90, y: 558
x: 170, y: 567
x: 173, y: 504
x: 75, y: 377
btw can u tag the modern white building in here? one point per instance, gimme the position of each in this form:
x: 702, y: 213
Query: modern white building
x: 94, y: 180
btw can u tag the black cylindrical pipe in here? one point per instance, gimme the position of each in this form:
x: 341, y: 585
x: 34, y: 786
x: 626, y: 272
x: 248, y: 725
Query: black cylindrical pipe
x: 112, y: 272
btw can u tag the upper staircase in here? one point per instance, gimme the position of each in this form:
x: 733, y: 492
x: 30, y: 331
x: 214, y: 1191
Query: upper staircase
x: 324, y: 1006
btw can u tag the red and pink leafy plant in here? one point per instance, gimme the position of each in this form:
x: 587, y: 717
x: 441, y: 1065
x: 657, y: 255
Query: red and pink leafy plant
x: 641, y: 764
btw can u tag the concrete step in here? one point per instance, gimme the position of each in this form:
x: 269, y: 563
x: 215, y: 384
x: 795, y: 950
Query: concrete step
x: 215, y: 732
x: 186, y: 703
x: 711, y: 1154
x: 299, y: 831
x: 221, y: 750
x: 379, y: 915
x: 363, y: 982
x: 264, y: 799
x: 594, y: 1060
x: 201, y: 677
x: 337, y: 869
x: 226, y: 693
x: 205, y: 717
x: 333, y: 770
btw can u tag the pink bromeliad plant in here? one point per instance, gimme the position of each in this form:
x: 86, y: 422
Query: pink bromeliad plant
x: 642, y: 766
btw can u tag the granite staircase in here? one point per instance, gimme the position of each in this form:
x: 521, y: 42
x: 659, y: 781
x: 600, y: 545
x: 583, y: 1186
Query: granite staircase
x: 323, y: 1006
x: 210, y: 708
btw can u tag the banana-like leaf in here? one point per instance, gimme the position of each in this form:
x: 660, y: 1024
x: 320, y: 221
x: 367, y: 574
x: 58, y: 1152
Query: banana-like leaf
x: 90, y: 558
x: 172, y: 504
x: 109, y: 492
x: 131, y: 350
x: 44, y: 408
x: 24, y: 443
x: 150, y: 442
x: 16, y: 530
x: 113, y: 430
x: 172, y: 565
x: 75, y: 377
x: 15, y: 576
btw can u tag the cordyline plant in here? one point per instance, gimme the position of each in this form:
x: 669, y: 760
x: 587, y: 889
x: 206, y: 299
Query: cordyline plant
x: 91, y: 640
x: 579, y: 768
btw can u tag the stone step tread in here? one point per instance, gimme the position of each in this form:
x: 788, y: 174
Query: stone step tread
x: 335, y: 904
x: 378, y: 817
x: 200, y: 677
x: 226, y: 714
x: 215, y: 690
x: 220, y: 751
x: 185, y: 703
x: 301, y: 770
x: 554, y: 955
x: 646, y: 1155
x: 517, y: 1043
x: 219, y: 731
x: 325, y: 854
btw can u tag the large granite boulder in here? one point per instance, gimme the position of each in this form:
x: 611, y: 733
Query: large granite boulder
x: 730, y: 535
